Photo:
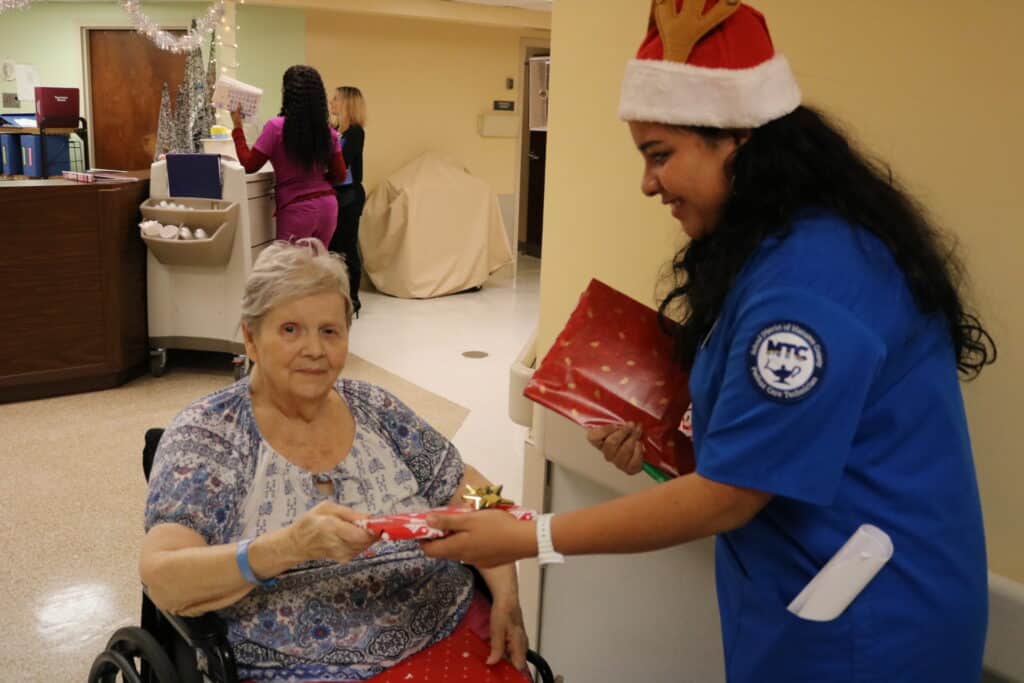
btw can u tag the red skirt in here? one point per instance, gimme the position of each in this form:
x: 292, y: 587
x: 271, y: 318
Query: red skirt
x: 462, y: 656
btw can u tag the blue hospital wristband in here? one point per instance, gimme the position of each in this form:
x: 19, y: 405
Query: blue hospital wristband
x: 242, y: 558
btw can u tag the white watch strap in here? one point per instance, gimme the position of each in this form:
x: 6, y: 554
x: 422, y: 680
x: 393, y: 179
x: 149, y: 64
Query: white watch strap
x: 545, y: 548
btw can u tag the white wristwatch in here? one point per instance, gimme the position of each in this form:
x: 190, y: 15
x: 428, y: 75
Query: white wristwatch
x: 545, y: 548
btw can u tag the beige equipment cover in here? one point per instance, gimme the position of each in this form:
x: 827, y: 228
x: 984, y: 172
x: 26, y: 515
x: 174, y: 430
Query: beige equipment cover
x: 432, y: 229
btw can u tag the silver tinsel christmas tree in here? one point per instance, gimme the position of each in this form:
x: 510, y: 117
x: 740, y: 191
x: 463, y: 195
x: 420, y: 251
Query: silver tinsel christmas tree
x: 211, y: 82
x: 183, y: 129
x: 195, y: 79
x: 182, y: 121
x: 165, y: 125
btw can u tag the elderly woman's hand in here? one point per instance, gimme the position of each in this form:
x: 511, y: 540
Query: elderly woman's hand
x: 236, y: 117
x: 508, y: 635
x: 620, y: 445
x: 326, y: 532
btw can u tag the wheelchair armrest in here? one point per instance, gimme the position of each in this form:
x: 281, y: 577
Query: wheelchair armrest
x: 540, y: 665
x: 206, y: 631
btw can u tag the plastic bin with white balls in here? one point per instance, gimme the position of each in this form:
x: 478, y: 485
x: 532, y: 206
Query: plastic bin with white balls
x: 217, y: 218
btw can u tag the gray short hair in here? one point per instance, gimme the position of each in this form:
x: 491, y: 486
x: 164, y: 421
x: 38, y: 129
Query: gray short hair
x: 286, y: 271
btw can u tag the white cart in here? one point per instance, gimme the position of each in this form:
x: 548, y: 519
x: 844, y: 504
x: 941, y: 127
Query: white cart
x: 194, y: 289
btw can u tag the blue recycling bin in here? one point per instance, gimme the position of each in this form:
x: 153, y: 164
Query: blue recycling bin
x: 58, y: 155
x: 10, y: 148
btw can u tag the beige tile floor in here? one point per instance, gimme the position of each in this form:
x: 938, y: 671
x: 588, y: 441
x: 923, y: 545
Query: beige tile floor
x: 72, y: 488
x: 423, y: 342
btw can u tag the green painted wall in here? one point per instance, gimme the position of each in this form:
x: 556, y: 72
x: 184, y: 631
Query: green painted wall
x: 270, y: 41
x: 49, y: 36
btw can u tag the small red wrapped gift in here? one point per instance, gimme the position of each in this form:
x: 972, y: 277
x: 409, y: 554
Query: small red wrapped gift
x: 413, y: 526
x: 612, y: 364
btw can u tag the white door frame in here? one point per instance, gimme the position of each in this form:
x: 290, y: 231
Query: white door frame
x: 526, y: 48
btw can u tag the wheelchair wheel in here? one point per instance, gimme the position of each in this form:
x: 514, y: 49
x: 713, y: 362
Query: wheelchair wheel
x: 123, y: 649
x: 109, y: 664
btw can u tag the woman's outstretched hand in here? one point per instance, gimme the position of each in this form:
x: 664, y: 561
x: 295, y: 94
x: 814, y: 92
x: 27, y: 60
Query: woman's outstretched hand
x: 485, y: 539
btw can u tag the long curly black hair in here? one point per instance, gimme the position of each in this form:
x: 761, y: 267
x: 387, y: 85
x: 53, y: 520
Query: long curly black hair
x: 798, y: 161
x: 307, y: 133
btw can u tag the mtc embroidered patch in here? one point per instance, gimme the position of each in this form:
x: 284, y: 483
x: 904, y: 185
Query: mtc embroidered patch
x: 786, y: 361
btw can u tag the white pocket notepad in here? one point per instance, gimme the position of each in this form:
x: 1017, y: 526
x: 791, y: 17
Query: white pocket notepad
x: 230, y: 94
x: 832, y: 590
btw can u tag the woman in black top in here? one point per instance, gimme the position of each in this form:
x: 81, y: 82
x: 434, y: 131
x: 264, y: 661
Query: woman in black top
x: 349, y: 110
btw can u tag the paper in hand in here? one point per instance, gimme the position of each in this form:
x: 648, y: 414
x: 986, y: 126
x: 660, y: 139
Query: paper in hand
x: 230, y: 93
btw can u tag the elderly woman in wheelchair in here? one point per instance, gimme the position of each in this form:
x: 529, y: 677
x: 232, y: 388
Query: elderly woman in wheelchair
x: 255, y: 489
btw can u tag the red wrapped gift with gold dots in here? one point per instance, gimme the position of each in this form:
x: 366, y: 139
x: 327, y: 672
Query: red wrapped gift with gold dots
x: 413, y: 526
x: 613, y: 363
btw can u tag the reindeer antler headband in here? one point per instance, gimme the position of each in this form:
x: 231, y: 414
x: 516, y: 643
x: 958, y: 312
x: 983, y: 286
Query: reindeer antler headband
x: 687, y: 73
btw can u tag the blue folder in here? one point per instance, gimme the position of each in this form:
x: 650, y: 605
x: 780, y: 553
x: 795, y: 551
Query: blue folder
x: 194, y: 175
x: 18, y: 120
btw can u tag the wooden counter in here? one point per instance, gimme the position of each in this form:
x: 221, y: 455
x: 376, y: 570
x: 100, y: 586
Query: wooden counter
x: 72, y: 287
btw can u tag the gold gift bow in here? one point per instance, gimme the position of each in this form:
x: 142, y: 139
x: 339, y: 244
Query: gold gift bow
x: 486, y: 497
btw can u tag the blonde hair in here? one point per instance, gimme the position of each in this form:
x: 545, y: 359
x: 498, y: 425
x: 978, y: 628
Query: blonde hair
x: 285, y: 271
x: 353, y: 105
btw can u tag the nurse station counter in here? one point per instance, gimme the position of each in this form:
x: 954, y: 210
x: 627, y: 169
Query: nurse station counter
x: 72, y: 286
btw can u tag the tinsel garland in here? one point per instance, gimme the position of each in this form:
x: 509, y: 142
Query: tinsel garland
x: 167, y: 41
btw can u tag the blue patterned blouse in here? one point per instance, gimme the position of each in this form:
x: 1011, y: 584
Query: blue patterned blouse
x: 214, y: 473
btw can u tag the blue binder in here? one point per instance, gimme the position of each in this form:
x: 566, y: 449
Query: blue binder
x: 10, y: 147
x: 194, y: 175
x: 58, y: 156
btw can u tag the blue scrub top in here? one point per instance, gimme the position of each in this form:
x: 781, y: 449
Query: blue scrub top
x: 824, y: 384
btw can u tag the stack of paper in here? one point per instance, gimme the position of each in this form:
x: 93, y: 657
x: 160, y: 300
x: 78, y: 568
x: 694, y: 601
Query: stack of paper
x: 230, y: 94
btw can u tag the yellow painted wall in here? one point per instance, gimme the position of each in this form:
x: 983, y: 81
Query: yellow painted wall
x: 442, y: 10
x: 426, y: 83
x: 937, y: 94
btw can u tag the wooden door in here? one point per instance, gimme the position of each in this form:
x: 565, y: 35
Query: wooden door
x: 534, y: 163
x: 127, y: 74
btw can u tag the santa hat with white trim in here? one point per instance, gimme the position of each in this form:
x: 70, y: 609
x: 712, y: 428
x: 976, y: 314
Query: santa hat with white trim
x: 708, y: 63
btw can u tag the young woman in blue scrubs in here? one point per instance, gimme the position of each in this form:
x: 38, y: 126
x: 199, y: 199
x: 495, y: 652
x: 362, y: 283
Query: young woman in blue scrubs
x: 825, y: 328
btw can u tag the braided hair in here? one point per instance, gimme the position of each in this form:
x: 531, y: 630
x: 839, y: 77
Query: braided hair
x: 307, y: 134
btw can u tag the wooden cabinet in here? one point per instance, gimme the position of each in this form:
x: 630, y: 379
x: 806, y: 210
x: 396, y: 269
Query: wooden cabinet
x: 72, y: 287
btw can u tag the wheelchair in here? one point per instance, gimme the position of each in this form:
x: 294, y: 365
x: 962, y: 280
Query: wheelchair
x: 167, y: 648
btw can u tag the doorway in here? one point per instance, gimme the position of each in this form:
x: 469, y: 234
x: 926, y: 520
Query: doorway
x: 126, y: 76
x: 534, y: 158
